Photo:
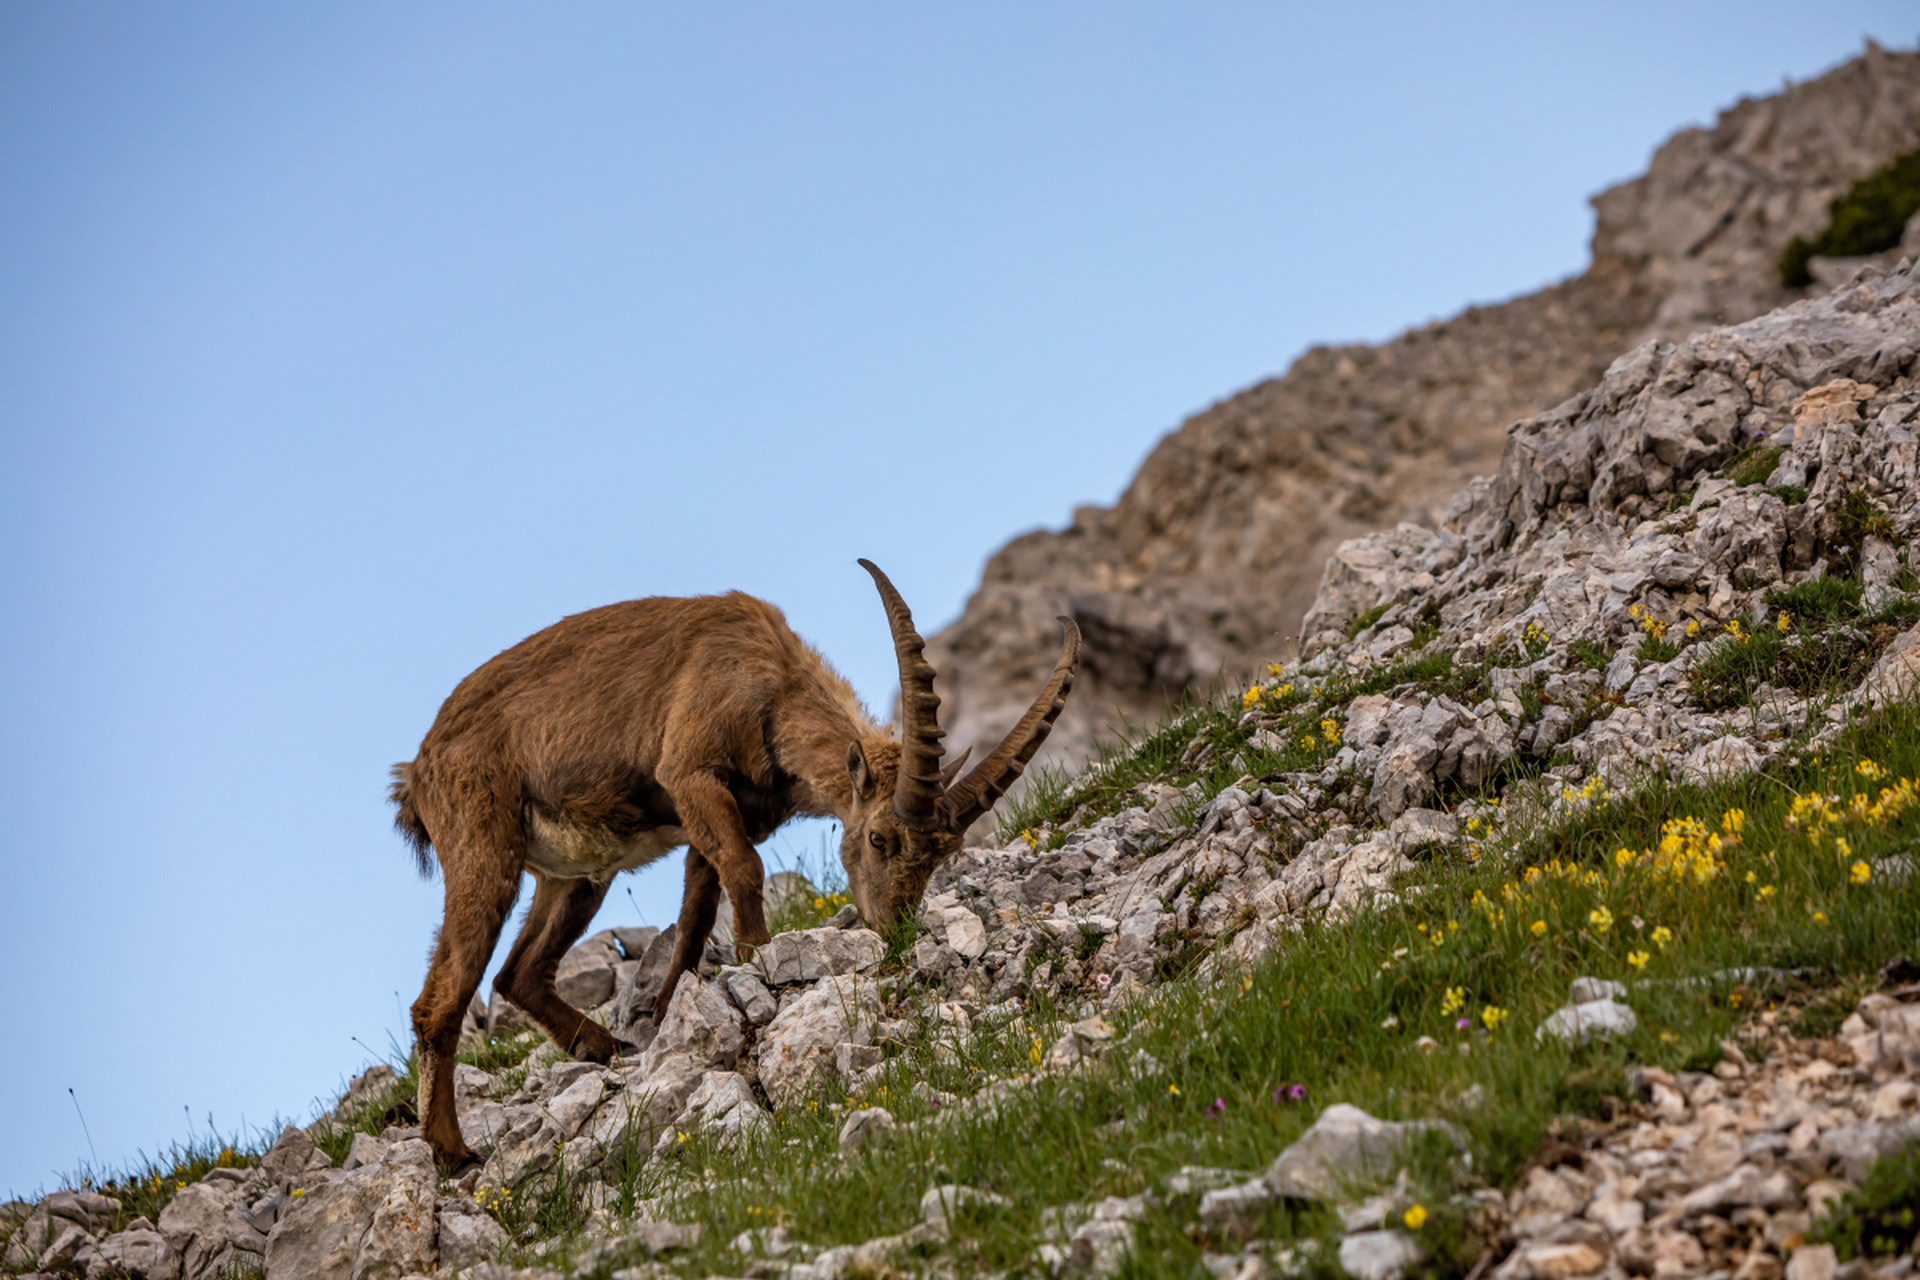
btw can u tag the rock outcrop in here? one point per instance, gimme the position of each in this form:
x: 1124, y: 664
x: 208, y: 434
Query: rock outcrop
x: 1212, y: 555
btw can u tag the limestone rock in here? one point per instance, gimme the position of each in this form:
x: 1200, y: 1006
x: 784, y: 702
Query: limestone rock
x: 701, y: 1022
x: 1593, y: 1020
x: 1379, y: 1255
x: 585, y: 976
x: 140, y: 1250
x: 866, y: 1126
x: 374, y: 1223
x: 802, y: 1038
x: 206, y: 1226
x: 1344, y: 1150
x: 467, y: 1234
x: 807, y: 955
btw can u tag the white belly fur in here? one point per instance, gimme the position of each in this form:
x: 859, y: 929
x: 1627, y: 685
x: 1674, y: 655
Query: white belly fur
x: 573, y: 853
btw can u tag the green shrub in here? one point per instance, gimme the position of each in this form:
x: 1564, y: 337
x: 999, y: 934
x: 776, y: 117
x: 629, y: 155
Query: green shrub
x: 1754, y: 464
x: 1868, y: 218
x: 1880, y: 1218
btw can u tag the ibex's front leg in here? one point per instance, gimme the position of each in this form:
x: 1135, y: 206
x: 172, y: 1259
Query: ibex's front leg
x: 718, y: 851
x: 560, y: 913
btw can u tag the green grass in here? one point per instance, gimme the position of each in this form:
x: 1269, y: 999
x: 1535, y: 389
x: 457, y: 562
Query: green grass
x: 1829, y: 644
x: 1753, y: 464
x: 1879, y: 1218
x: 1367, y: 619
x: 1650, y: 886
x: 1867, y: 218
x: 1656, y: 648
x: 1588, y: 653
x: 1339, y: 1007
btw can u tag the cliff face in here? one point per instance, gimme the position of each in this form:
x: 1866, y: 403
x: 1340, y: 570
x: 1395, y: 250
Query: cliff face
x: 1212, y: 555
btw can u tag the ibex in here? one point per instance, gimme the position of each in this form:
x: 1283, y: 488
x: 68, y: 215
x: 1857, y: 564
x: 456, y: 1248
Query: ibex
x: 603, y: 742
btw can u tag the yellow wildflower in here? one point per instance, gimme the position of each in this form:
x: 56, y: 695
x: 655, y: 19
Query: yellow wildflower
x: 1600, y: 918
x: 1860, y: 873
x: 1784, y: 623
x: 1638, y: 959
x: 1415, y: 1217
x: 1768, y: 890
x: 1662, y: 936
x: 1330, y: 730
x: 1453, y: 1001
x: 1492, y: 1016
x: 1539, y: 928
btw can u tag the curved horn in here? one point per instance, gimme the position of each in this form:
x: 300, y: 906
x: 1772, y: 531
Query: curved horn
x: 916, y: 790
x: 976, y: 792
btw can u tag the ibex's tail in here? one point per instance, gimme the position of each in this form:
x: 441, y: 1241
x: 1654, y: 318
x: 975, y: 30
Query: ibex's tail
x: 407, y: 819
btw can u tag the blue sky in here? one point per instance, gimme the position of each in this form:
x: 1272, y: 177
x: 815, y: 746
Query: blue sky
x: 342, y: 346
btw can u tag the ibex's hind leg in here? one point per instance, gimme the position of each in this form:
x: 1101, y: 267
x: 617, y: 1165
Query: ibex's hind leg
x: 698, y: 907
x: 560, y: 913
x: 480, y: 893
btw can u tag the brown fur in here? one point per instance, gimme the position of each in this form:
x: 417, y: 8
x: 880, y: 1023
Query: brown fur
x: 596, y: 746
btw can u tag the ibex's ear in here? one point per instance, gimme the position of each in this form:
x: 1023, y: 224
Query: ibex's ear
x: 951, y: 770
x: 865, y: 784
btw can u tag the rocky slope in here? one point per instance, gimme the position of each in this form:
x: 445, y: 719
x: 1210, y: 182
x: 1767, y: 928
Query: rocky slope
x: 1607, y: 607
x: 1212, y: 555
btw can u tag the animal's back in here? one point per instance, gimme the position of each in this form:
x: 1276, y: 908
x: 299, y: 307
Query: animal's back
x: 577, y: 716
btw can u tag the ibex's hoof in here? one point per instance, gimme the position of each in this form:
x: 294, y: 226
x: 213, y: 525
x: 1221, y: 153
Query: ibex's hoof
x: 459, y: 1164
x: 594, y: 1045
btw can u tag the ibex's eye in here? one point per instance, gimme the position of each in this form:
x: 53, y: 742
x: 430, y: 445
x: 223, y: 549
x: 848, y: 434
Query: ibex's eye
x: 873, y: 838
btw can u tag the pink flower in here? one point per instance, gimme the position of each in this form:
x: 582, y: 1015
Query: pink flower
x: 1287, y: 1095
x: 1218, y: 1107
x: 1103, y: 980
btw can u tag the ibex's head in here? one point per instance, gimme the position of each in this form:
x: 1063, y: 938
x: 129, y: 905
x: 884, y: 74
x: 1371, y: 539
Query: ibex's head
x: 908, y: 814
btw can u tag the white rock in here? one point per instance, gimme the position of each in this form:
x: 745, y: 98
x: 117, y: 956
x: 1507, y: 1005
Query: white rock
x: 468, y: 1235
x: 939, y: 1204
x: 1591, y: 1020
x: 701, y: 1023
x: 807, y: 955
x: 379, y: 1220
x: 866, y: 1126
x: 206, y: 1226
x: 1379, y: 1255
x: 1344, y: 1150
x: 802, y: 1038
x: 1236, y: 1213
x: 1586, y: 990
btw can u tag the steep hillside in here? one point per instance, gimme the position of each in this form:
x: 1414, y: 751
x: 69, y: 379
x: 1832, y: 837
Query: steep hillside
x: 1212, y: 555
x: 1555, y: 917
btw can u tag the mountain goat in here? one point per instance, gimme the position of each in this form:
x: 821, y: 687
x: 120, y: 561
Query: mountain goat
x: 615, y: 735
